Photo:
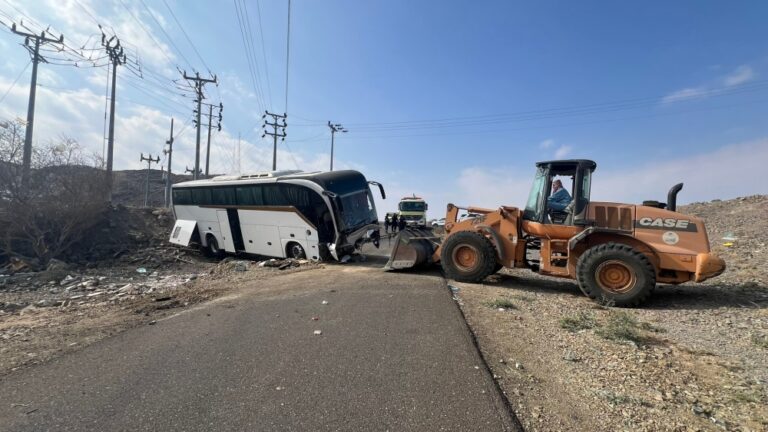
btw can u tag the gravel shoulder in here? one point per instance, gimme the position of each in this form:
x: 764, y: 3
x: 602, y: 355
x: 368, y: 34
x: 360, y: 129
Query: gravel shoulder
x: 695, y: 357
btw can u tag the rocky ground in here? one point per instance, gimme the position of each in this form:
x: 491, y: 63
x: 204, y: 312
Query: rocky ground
x: 693, y: 358
x: 130, y: 277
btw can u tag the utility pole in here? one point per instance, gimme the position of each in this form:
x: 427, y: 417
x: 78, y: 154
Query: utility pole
x: 199, y: 83
x: 117, y: 57
x: 208, y: 148
x: 169, y: 152
x: 275, y: 132
x: 149, y: 164
x: 335, y: 128
x: 36, y: 58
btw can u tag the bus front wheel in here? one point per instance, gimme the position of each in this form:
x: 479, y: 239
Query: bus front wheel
x: 295, y: 250
x: 212, y: 249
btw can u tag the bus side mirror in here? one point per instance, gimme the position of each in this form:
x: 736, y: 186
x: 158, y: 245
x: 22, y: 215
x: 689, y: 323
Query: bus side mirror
x: 426, y: 206
x: 381, y: 189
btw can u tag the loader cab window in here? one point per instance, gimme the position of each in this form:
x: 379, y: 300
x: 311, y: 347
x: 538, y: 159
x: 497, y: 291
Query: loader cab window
x: 536, y: 199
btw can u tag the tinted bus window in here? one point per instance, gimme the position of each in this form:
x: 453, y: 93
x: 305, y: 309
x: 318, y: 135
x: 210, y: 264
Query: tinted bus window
x: 249, y: 195
x: 273, y: 196
x: 223, y: 196
x: 201, y: 196
x: 182, y: 197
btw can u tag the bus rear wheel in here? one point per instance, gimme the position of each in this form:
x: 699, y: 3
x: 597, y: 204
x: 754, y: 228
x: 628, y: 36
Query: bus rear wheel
x: 296, y: 251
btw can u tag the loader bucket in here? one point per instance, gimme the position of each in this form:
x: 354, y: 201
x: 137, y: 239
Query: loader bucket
x: 413, y: 247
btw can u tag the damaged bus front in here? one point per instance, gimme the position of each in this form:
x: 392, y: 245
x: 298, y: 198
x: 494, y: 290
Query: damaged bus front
x: 281, y: 214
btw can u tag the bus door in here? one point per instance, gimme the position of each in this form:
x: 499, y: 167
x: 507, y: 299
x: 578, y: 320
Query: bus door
x: 226, y: 232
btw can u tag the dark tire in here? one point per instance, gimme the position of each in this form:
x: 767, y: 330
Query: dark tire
x: 295, y: 250
x: 212, y: 250
x: 468, y: 257
x: 617, y: 274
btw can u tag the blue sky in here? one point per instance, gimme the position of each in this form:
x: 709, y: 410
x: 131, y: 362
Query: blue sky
x: 452, y: 100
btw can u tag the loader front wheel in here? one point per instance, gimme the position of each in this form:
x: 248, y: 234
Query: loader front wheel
x: 468, y: 257
x: 615, y: 273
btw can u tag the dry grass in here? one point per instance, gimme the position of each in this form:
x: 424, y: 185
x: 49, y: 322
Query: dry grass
x: 501, y: 303
x: 581, y: 321
x: 621, y: 326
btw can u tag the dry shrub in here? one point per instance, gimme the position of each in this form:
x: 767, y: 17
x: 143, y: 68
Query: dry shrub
x: 66, y: 196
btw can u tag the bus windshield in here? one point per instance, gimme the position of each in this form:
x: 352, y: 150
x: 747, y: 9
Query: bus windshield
x: 354, y: 205
x: 413, y: 206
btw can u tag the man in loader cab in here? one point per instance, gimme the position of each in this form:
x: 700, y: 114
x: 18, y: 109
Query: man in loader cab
x: 560, y: 197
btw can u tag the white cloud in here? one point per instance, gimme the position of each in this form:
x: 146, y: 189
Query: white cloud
x: 728, y: 172
x: 547, y: 143
x: 686, y: 93
x: 741, y: 75
x: 563, y: 151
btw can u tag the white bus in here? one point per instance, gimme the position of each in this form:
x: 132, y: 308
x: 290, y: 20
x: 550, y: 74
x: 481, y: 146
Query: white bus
x: 318, y: 215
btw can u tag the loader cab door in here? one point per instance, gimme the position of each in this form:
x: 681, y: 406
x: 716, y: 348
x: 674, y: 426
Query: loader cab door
x: 576, y: 176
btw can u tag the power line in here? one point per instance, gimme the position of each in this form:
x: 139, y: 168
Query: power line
x: 249, y: 56
x: 13, y: 84
x: 287, y: 55
x: 138, y: 21
x: 170, y: 39
x: 253, y: 51
x: 552, y: 126
x: 264, y: 53
x: 187, y: 37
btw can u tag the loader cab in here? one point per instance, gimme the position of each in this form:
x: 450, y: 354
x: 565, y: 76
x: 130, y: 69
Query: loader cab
x: 576, y: 176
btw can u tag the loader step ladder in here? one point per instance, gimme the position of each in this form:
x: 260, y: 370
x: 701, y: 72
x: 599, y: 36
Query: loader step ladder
x: 554, y: 257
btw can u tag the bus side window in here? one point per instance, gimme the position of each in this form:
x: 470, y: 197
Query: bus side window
x: 223, y: 196
x: 297, y: 196
x: 201, y: 196
x: 273, y: 196
x: 182, y: 197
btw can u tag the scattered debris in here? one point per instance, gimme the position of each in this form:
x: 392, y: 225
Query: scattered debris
x: 318, y: 332
x: 141, y: 270
x: 325, y: 302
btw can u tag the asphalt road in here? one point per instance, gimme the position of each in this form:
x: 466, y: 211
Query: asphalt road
x: 394, y: 354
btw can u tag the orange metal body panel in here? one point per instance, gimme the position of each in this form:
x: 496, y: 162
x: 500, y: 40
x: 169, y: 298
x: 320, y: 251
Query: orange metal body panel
x: 676, y: 244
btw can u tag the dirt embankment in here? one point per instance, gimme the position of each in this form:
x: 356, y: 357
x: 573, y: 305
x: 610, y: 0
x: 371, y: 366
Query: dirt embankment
x: 125, y: 274
x: 695, y: 357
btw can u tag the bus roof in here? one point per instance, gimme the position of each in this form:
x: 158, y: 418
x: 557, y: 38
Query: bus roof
x: 319, y: 177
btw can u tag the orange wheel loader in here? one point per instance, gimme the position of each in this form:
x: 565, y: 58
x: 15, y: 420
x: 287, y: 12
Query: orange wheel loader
x: 616, y: 252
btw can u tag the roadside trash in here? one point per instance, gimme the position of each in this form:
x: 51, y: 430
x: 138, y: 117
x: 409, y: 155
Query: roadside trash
x: 345, y: 259
x: 502, y: 310
x: 519, y: 366
x: 318, y: 332
x: 241, y: 266
x: 153, y: 322
x: 315, y: 318
x: 279, y: 388
x: 728, y: 244
x: 325, y: 302
x: 141, y: 270
x: 453, y: 288
x: 477, y: 367
x: 729, y: 237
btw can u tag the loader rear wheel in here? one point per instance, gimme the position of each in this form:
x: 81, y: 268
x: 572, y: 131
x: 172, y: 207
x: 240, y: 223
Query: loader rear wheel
x: 468, y: 257
x: 615, y: 273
